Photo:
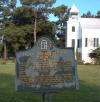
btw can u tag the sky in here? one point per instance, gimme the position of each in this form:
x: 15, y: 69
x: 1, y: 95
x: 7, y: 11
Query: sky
x: 83, y: 5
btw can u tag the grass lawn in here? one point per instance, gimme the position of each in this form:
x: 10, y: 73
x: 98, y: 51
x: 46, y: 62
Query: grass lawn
x: 89, y: 87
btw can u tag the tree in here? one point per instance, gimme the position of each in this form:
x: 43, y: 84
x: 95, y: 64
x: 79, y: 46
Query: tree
x: 22, y: 16
x: 62, y: 12
x: 19, y: 32
x: 15, y: 38
x: 88, y: 15
x: 6, y: 7
x: 39, y: 6
x: 46, y: 28
x: 98, y: 14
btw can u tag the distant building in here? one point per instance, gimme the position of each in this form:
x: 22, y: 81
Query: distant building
x: 83, y: 34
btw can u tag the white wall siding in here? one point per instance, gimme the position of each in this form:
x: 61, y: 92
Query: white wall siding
x: 84, y: 28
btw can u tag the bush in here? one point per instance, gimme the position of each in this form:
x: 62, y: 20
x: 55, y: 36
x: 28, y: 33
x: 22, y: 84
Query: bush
x: 96, y: 55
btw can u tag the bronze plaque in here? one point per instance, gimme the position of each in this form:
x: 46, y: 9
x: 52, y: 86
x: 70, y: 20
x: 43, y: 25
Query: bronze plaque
x: 46, y: 68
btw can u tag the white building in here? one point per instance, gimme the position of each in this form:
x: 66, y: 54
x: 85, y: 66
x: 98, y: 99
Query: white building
x: 83, y: 34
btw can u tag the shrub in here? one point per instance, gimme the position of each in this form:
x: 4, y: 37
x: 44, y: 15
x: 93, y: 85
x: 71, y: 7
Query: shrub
x: 96, y: 55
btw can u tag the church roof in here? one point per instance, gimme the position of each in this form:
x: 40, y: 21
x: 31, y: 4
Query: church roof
x: 90, y: 23
x: 74, y: 9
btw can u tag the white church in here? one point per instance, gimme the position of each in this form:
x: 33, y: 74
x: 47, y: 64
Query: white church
x: 83, y: 34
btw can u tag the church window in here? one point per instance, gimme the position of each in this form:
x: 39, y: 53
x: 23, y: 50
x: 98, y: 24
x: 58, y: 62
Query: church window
x: 78, y: 43
x: 96, y: 42
x: 73, y: 42
x: 73, y: 28
x: 43, y: 44
x: 86, y: 42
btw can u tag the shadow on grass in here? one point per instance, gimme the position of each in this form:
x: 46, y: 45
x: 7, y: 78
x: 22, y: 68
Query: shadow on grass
x: 8, y: 93
x: 86, y: 93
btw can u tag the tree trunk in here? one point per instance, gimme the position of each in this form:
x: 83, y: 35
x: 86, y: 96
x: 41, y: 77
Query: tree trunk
x: 35, y: 22
x: 5, y: 51
x: 5, y: 47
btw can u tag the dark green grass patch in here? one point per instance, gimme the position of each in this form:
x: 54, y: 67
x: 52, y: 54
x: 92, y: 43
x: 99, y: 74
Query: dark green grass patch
x: 89, y: 87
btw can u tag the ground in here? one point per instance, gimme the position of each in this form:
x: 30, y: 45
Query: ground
x: 89, y: 86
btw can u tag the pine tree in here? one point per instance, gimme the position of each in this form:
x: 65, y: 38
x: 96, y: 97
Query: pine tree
x: 39, y: 6
x: 62, y: 12
x: 6, y: 7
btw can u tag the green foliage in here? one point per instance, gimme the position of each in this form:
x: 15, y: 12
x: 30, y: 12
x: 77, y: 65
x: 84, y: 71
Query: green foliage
x: 1, y: 50
x: 23, y: 16
x: 15, y: 37
x: 60, y: 42
x: 39, y: 6
x: 38, y: 3
x: 6, y: 9
x: 18, y: 23
x: 98, y: 14
x: 1, y: 47
x: 24, y: 26
x: 62, y: 12
x: 88, y: 15
x: 19, y: 28
x: 46, y: 28
x: 96, y: 55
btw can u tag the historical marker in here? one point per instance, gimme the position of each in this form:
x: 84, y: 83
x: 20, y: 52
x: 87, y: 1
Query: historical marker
x: 46, y: 68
